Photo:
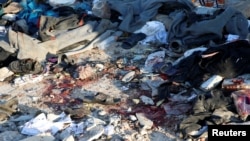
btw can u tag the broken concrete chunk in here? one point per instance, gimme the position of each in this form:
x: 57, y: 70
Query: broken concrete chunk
x: 211, y: 83
x: 86, y: 72
x: 154, y: 82
x: 147, y: 100
x: 144, y: 121
x: 132, y: 118
x: 159, y: 136
x: 136, y: 101
x: 93, y: 133
x: 129, y: 76
x: 5, y: 73
x: 109, y: 130
x: 69, y: 138
x: 40, y: 137
x: 10, y: 136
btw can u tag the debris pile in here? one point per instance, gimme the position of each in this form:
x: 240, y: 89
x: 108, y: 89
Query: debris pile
x: 116, y: 70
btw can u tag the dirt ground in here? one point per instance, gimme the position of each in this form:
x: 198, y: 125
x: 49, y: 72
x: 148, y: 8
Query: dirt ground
x: 39, y: 95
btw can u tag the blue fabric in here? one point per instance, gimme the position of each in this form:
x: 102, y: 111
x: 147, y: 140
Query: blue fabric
x: 32, y: 11
x: 83, y: 6
x: 51, y: 13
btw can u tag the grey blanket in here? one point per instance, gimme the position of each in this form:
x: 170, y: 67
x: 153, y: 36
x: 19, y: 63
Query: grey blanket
x: 135, y: 13
x: 230, y: 21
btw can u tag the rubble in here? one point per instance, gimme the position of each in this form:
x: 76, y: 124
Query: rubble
x: 118, y: 76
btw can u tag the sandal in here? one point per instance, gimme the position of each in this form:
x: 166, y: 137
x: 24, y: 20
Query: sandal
x: 26, y: 66
x: 101, y: 99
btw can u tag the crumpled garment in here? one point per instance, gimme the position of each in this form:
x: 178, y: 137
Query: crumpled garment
x: 155, y: 31
x: 135, y: 13
x: 49, y: 26
x: 32, y: 11
x: 227, y: 60
x: 202, y: 114
x: 190, y: 32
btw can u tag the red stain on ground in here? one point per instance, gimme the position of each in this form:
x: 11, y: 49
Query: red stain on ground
x: 67, y: 84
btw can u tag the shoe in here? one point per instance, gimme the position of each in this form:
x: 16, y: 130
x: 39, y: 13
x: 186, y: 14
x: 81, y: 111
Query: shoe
x: 25, y: 66
x: 133, y: 40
